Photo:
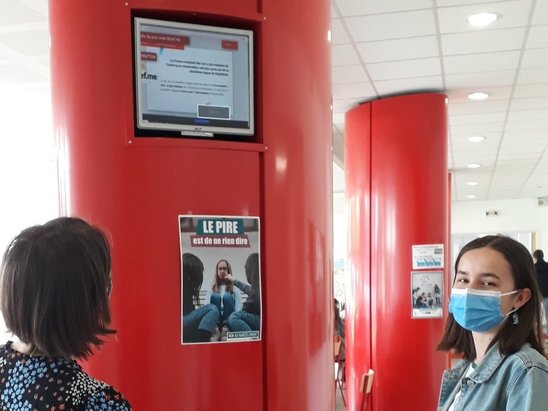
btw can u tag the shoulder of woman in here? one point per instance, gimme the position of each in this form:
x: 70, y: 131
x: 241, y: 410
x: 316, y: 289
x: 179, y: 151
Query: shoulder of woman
x: 528, y: 357
x: 108, y: 399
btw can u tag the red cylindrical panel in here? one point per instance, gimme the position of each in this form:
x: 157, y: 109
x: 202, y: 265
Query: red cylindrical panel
x: 407, y: 190
x: 136, y: 187
x: 298, y: 205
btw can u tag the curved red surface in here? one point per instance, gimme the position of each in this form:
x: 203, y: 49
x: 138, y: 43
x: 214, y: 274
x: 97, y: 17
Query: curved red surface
x: 135, y: 188
x: 397, y: 193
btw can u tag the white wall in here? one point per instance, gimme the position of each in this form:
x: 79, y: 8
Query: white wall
x: 513, y: 216
x: 28, y: 165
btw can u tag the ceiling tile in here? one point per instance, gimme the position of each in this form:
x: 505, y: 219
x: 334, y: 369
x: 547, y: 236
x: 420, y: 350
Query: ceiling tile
x: 527, y: 125
x: 478, y: 118
x: 16, y: 12
x: 401, y: 49
x: 348, y: 74
x: 533, y: 76
x: 363, y: 7
x: 538, y: 37
x: 404, y: 69
x: 338, y: 33
x: 381, y: 26
x: 506, y: 60
x: 483, y: 41
x: 490, y: 129
x: 533, y: 58
x: 28, y: 43
x: 342, y: 106
x: 531, y: 90
x: 541, y: 13
x: 445, y: 3
x: 514, y: 14
x: 471, y: 107
x: 417, y: 84
x: 344, y: 55
x: 524, y: 115
x: 40, y: 6
x: 480, y: 80
x: 363, y: 91
x: 495, y: 93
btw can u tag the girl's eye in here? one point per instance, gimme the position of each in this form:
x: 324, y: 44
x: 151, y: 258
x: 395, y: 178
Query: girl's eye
x: 488, y: 284
x: 462, y: 280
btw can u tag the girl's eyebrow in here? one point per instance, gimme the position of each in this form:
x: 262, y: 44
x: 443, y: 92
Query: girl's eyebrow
x: 482, y: 275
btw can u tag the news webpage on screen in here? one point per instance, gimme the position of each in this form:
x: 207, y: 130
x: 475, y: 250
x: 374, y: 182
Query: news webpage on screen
x: 193, y: 76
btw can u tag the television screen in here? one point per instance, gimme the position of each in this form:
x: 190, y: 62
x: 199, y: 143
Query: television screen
x: 193, y: 79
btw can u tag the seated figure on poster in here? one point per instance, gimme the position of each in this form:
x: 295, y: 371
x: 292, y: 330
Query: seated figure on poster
x: 422, y: 301
x: 249, y: 317
x: 224, y: 295
x: 199, y: 322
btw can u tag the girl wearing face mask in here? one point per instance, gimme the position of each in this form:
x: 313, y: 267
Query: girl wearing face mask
x: 494, y: 322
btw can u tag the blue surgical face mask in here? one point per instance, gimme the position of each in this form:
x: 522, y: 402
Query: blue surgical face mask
x: 477, y: 310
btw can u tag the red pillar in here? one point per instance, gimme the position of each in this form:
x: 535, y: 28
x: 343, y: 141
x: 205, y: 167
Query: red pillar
x: 136, y: 187
x: 396, y: 168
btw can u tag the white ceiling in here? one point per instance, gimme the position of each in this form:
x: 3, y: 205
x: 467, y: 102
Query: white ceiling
x: 388, y: 47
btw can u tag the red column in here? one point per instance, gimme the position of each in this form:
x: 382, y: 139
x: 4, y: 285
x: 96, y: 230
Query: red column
x: 136, y: 187
x: 396, y: 168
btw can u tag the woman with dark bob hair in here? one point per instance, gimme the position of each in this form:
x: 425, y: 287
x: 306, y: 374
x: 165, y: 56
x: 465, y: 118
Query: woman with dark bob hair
x: 54, y: 287
x: 494, y: 322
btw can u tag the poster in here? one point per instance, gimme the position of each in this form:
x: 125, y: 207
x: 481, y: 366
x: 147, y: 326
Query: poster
x: 426, y: 294
x: 427, y: 256
x: 220, y: 279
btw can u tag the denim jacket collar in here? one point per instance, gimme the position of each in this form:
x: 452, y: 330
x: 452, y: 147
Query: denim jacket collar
x: 482, y: 373
x: 489, y: 364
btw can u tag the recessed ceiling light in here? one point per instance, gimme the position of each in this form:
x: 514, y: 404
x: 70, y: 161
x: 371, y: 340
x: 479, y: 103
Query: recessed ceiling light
x: 476, y: 139
x: 473, y: 165
x: 471, y: 196
x: 472, y: 183
x: 482, y: 19
x: 478, y: 95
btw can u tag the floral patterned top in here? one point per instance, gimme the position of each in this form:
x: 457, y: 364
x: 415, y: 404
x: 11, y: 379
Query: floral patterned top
x: 29, y: 382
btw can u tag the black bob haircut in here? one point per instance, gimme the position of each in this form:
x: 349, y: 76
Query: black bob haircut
x: 54, y: 288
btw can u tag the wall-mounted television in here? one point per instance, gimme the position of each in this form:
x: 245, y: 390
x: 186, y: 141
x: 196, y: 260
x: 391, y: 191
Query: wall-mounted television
x: 193, y: 79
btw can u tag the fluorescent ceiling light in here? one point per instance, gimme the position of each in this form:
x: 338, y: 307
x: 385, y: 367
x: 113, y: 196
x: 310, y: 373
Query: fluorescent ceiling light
x: 478, y: 95
x: 476, y: 139
x: 471, y: 196
x: 473, y: 165
x: 472, y: 183
x: 482, y: 19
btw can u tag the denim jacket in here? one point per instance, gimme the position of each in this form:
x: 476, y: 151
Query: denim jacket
x: 515, y: 382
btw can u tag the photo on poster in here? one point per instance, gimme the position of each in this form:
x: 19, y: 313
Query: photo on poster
x: 426, y: 294
x: 220, y: 279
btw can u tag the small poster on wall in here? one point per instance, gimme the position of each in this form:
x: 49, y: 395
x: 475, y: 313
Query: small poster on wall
x: 426, y: 294
x: 427, y: 256
x: 220, y: 279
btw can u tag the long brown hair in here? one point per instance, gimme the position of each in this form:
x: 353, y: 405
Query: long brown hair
x: 510, y: 337
x: 218, y: 282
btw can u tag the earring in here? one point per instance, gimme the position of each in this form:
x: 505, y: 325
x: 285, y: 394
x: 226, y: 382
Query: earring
x: 515, y: 318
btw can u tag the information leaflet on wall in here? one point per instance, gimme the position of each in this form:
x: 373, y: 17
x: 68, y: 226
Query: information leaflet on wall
x: 426, y: 294
x: 220, y: 279
x: 427, y: 256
